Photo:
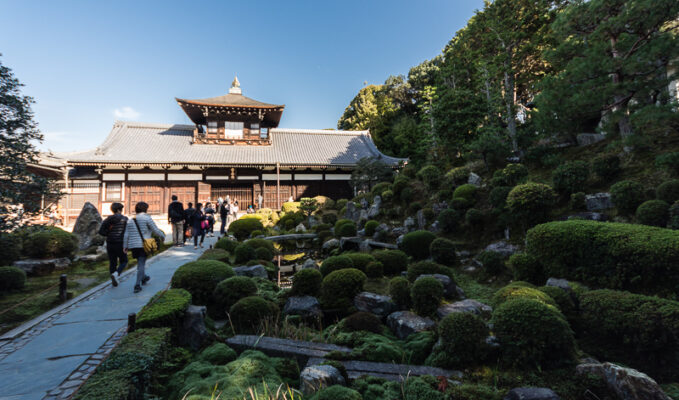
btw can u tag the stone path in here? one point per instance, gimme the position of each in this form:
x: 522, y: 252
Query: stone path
x: 51, y: 356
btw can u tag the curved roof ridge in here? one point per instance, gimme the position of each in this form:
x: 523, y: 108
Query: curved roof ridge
x: 319, y: 131
x: 138, y: 124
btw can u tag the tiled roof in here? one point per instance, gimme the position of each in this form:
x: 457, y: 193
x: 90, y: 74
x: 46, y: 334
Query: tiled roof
x: 140, y: 143
x: 231, y: 99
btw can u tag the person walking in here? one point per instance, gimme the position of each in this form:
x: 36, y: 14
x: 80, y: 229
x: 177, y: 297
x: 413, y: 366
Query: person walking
x: 210, y: 215
x: 175, y: 216
x: 198, y: 225
x: 113, y: 228
x: 234, y: 212
x: 142, y: 227
x: 224, y: 210
x: 187, y: 220
x: 260, y: 201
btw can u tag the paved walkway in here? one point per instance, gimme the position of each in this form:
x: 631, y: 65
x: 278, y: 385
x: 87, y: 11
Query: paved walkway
x: 69, y: 342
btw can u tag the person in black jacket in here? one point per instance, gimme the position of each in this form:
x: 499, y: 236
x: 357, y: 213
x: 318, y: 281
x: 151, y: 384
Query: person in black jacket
x: 175, y: 216
x: 199, y: 225
x: 113, y: 228
x: 224, y: 211
x: 187, y: 220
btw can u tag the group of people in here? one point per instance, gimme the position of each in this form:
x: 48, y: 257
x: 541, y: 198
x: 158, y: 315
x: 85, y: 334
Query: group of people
x: 198, y: 222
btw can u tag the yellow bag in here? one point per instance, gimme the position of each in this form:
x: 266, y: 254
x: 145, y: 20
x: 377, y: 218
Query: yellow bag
x: 150, y: 245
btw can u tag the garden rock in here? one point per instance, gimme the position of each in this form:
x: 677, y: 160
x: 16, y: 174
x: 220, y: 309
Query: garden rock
x: 254, y: 271
x: 531, y: 393
x: 381, y: 232
x: 465, y: 306
x: 374, y: 303
x: 374, y: 209
x: 399, y: 241
x: 398, y: 231
x: 410, y: 224
x: 352, y: 213
x: 598, y: 201
x: 364, y: 246
x: 560, y: 283
x: 304, y: 306
x: 316, y: 377
x: 42, y: 267
x: 449, y: 287
x: 309, y: 264
x: 590, y: 216
x: 300, y: 228
x: 585, y: 139
x: 627, y: 383
x: 350, y: 243
x: 503, y: 247
x: 364, y: 203
x: 86, y: 227
x: 474, y: 179
x: 330, y: 244
x: 193, y: 332
x: 421, y: 220
x: 405, y: 323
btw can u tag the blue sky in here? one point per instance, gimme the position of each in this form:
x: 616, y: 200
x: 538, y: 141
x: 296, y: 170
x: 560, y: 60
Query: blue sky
x: 89, y: 63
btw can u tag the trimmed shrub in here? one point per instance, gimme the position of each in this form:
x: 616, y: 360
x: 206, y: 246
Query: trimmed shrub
x: 12, y: 278
x: 426, y: 267
x: 668, y: 191
x: 474, y: 217
x: 673, y: 222
x: 50, y: 242
x: 334, y: 263
x: 230, y: 290
x: 610, y: 255
x: 215, y: 254
x: 226, y: 244
x: 10, y: 248
x: 345, y: 228
x: 290, y: 206
x: 165, y: 309
x: 430, y: 176
x: 307, y: 282
x: 463, y: 341
x: 340, y: 287
x: 399, y: 290
x: 578, y: 201
x: 669, y: 162
x: 393, y: 261
x: 493, y: 262
x: 242, y: 228
x: 261, y: 243
x: 263, y: 253
x: 370, y: 227
x: 218, y: 354
x: 458, y: 176
x: 360, y: 260
x: 461, y: 204
x: 654, y: 213
x: 449, y: 220
x: 337, y: 392
x: 244, y: 253
x: 362, y: 321
x: 531, y: 203
x: 426, y: 294
x: 374, y: 269
x: 562, y: 299
x: 636, y: 330
x: 442, y: 251
x: 498, y: 196
x: 466, y: 191
x: 329, y: 218
x: 532, y: 334
x: 511, y: 175
x: 606, y: 166
x: 387, y: 196
x: 627, y: 195
x: 380, y: 188
x: 525, y: 267
x: 570, y: 177
x: 200, y: 278
x: 248, y: 312
x: 521, y: 290
x: 416, y: 244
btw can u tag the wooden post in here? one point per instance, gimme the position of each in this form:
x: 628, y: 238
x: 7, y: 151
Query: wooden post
x: 63, y: 285
x: 131, y: 322
x: 278, y: 185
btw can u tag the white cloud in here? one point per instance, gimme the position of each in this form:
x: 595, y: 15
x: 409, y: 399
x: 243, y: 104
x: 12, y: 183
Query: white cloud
x: 126, y: 113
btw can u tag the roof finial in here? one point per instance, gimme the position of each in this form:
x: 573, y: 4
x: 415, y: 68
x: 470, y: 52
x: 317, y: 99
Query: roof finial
x: 235, y: 86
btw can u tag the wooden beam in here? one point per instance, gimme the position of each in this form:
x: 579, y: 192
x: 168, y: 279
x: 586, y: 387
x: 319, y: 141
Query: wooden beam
x: 278, y: 185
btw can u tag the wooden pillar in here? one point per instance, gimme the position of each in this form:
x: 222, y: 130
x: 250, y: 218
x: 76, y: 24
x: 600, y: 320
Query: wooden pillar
x: 263, y: 190
x: 278, y: 185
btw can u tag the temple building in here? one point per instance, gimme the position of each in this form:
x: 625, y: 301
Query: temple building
x: 234, y: 148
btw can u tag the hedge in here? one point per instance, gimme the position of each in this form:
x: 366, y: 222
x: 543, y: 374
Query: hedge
x: 200, y: 278
x: 523, y: 290
x: 638, y: 258
x: 165, y: 309
x: 248, y: 312
x: 370, y: 227
x: 340, y: 287
x: 345, y: 228
x: 393, y: 261
x: 531, y: 203
x: 426, y: 294
x: 244, y: 253
x: 399, y: 290
x: 10, y: 248
x: 374, y: 269
x: 50, y: 242
x: 466, y: 191
x: 230, y: 290
x: 627, y: 195
x: 12, y: 278
x: 416, y: 244
x: 570, y: 177
x: 306, y: 282
x: 335, y: 263
x: 463, y: 341
x: 226, y: 244
x: 360, y: 260
x: 242, y: 228
x: 654, y: 213
x: 427, y: 267
x: 443, y: 252
x: 217, y: 254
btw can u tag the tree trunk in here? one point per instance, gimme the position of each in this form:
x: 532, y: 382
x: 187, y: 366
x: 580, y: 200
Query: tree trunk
x: 624, y: 125
x: 509, y: 100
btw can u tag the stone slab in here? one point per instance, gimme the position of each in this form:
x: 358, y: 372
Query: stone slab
x: 389, y: 371
x: 287, y: 348
x: 27, y: 380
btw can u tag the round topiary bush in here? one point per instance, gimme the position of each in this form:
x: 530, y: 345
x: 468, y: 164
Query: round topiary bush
x: 466, y: 191
x: 674, y: 216
x: 393, y: 261
x: 523, y: 290
x: 362, y: 321
x: 463, y: 341
x: 337, y: 392
x: 654, y: 213
x: 50, y: 242
x: 329, y: 218
x: 307, y: 282
x: 261, y: 243
x: 627, y: 195
x: 606, y: 166
x: 387, y: 196
x: 334, y: 263
x: 380, y: 188
x: 12, y: 278
x: 426, y: 294
x: 416, y: 244
x: 442, y: 251
x: 458, y: 176
x: 498, y: 196
x: 345, y: 228
x: 244, y: 253
x: 532, y: 334
x: 215, y: 254
x: 449, y: 220
x: 374, y: 269
x: 226, y: 244
x: 165, y: 309
x: 531, y: 203
x: 248, y: 312
x: 563, y: 301
x: 668, y: 191
x: 578, y: 201
x: 493, y: 262
x: 218, y: 354
x: 460, y: 204
x: 360, y: 260
x: 570, y: 177
x: 399, y: 290
x: 10, y: 248
x: 426, y: 267
x: 511, y: 175
x: 525, y: 267
x: 340, y: 287
x: 242, y: 228
x: 370, y: 227
x: 263, y: 253
x: 230, y: 290
x: 474, y: 218
x: 200, y: 278
x: 430, y: 176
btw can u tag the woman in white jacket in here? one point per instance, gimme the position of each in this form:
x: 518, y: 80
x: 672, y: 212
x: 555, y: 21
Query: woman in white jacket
x: 132, y: 240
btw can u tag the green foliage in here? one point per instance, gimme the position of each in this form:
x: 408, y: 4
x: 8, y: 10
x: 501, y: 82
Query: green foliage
x: 393, y: 261
x: 654, y: 213
x: 607, y: 166
x: 308, y: 205
x: 261, y: 243
x: 430, y: 175
x: 399, y: 290
x: 370, y: 227
x: 244, y: 253
x: 416, y: 244
x: 12, y: 278
x: 532, y: 334
x: 474, y: 218
x: 263, y: 253
x: 10, y: 248
x: 226, y: 244
x: 380, y: 188
x: 525, y: 267
x: 329, y: 218
x: 466, y: 191
x: 345, y: 228
x: 463, y: 341
x: 200, y: 278
x: 369, y: 171
x: 639, y: 331
x: 427, y: 267
x: 50, y: 242
x: 360, y: 260
x: 247, y: 313
x: 578, y: 201
x: 418, y: 346
x: 337, y: 392
x: 242, y: 228
x: 290, y: 207
x: 498, y: 196
x: 493, y: 262
x: 609, y: 255
x: 449, y: 220
x: 374, y: 269
x: 426, y: 294
x: 627, y: 195
x: 522, y: 290
x: 570, y: 177
x: 442, y: 251
x: 216, y: 254
x: 511, y: 175
x: 217, y: 354
x: 674, y: 216
x: 230, y: 290
x: 531, y: 203
x: 369, y: 346
x: 335, y: 263
x: 307, y: 282
x: 668, y: 161
x: 362, y: 321
x: 668, y: 191
x: 458, y: 176
x: 563, y: 300
x: 340, y: 287
x: 165, y: 309
x: 490, y: 147
x: 387, y: 196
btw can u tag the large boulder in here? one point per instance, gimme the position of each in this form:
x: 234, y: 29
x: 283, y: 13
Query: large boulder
x: 465, y: 306
x: 193, y: 333
x: 330, y: 245
x: 86, y: 227
x: 585, y: 139
x: 315, y: 377
x: 562, y: 284
x: 598, y: 201
x: 421, y: 220
x: 42, y: 267
x: 374, y: 303
x: 450, y: 289
x: 309, y: 264
x: 374, y: 209
x: 474, y: 179
x: 531, y: 393
x: 350, y: 243
x: 503, y: 247
x: 253, y: 271
x: 626, y: 383
x: 352, y: 213
x: 405, y: 323
x: 304, y: 306
x: 410, y: 224
x: 300, y: 228
x: 382, y: 232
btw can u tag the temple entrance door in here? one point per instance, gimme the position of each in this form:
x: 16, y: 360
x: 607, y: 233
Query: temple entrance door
x: 204, y: 190
x: 152, y: 194
x: 185, y: 192
x: 242, y: 192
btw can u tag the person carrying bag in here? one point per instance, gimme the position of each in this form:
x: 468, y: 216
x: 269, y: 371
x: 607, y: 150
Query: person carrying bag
x: 139, y: 239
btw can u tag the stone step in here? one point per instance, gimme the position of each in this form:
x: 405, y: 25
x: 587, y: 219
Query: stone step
x: 389, y: 371
x: 291, y: 236
x: 287, y: 348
